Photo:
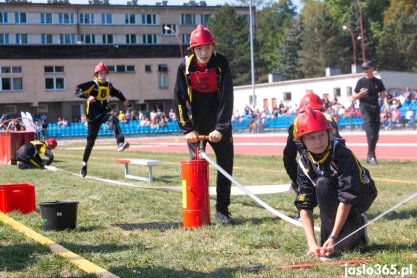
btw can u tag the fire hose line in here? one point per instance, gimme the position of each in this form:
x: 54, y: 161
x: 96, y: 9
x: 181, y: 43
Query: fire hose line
x: 256, y: 199
x: 405, y: 200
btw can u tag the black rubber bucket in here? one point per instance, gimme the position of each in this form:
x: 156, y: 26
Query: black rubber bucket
x: 59, y: 215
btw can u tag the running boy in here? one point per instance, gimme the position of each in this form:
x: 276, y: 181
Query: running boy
x: 330, y: 176
x: 97, y: 91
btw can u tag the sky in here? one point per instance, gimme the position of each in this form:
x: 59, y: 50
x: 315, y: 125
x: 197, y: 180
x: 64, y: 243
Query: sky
x: 170, y: 2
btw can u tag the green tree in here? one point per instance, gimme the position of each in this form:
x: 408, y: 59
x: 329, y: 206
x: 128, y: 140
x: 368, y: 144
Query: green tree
x: 398, y: 44
x: 231, y: 33
x: 320, y: 45
x: 272, y: 24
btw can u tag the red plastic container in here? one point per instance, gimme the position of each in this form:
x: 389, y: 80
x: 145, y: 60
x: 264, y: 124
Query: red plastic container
x: 195, y: 193
x: 10, y: 142
x: 20, y: 197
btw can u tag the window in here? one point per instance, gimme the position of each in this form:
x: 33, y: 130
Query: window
x: 108, y: 39
x: 148, y: 68
x: 349, y: 91
x: 21, y: 38
x: 20, y: 18
x: 42, y: 108
x: 3, y: 17
x: 8, y: 70
x: 46, y: 18
x: 66, y: 18
x: 171, y: 31
x: 149, y: 19
x: 336, y: 92
x: 67, y: 38
x: 204, y: 19
x: 163, y: 68
x: 122, y: 68
x: 11, y: 84
x: 130, y: 19
x: 106, y: 19
x: 54, y: 69
x: 88, y: 38
x: 4, y: 39
x: 188, y: 19
x: 46, y: 38
x: 149, y: 39
x: 87, y: 18
x: 185, y: 39
x: 287, y: 96
x: 163, y: 81
x: 131, y: 39
x: 54, y: 79
x: 10, y: 109
x: 54, y: 83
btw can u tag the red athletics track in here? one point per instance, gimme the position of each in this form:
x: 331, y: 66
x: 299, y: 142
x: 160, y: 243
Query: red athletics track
x: 392, y: 145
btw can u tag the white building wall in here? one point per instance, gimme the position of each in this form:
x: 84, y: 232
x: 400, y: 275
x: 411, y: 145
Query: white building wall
x: 320, y: 86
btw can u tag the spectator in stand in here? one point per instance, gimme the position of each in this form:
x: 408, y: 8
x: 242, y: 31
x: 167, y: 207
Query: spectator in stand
x: 410, y: 118
x: 172, y: 116
x: 121, y: 116
x: 44, y: 130
x: 414, y: 97
x: 408, y: 94
x: 396, y: 118
x: 128, y: 116
x: 144, y: 121
x: 64, y: 122
x: 326, y: 102
x: 385, y: 119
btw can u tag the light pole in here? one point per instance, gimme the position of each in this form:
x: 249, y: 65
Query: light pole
x: 177, y: 37
x: 252, y: 63
x: 362, y: 37
x: 353, y: 43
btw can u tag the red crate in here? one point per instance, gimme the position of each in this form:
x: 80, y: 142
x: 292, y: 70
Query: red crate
x: 19, y: 197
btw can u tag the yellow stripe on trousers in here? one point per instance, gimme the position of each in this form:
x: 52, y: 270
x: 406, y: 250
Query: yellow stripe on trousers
x: 75, y: 259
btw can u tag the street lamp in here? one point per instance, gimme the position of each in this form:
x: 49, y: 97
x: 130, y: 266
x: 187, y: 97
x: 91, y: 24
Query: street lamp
x: 353, y: 43
x: 252, y: 63
x: 177, y: 37
x: 361, y: 27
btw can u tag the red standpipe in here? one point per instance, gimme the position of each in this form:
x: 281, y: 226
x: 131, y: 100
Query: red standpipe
x: 195, y: 193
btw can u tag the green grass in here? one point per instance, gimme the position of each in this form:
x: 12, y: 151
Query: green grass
x: 135, y: 232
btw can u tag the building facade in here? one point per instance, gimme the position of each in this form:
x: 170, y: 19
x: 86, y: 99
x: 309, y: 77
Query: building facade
x: 47, y: 49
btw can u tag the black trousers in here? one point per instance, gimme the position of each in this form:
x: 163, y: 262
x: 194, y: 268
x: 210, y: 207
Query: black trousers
x: 94, y: 128
x: 224, y: 158
x: 371, y: 125
x: 328, y: 203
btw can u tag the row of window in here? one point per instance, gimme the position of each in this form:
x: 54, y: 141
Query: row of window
x: 12, y: 79
x: 90, y: 18
x: 6, y: 39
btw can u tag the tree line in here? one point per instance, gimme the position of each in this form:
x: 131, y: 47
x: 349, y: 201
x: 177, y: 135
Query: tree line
x: 302, y: 44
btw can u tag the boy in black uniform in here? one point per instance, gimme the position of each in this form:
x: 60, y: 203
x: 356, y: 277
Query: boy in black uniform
x: 330, y: 176
x: 97, y: 91
x: 313, y: 101
x: 28, y: 155
x: 203, y: 101
x: 367, y: 90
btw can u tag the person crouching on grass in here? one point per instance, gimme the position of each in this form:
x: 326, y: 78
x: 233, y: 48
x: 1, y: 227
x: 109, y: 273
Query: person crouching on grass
x: 330, y: 176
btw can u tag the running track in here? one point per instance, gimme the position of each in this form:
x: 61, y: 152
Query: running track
x: 391, y: 145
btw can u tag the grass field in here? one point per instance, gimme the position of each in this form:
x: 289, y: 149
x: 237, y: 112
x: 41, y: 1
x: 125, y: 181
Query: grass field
x: 135, y: 232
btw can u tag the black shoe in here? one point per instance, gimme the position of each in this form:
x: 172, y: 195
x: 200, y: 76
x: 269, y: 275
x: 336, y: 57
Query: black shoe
x: 122, y: 146
x: 223, y: 217
x: 372, y: 161
x: 83, y: 171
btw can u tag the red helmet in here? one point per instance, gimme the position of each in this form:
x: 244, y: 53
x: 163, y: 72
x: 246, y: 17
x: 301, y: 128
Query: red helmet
x: 101, y: 67
x: 51, y: 143
x: 312, y: 101
x: 200, y: 36
x: 311, y: 121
